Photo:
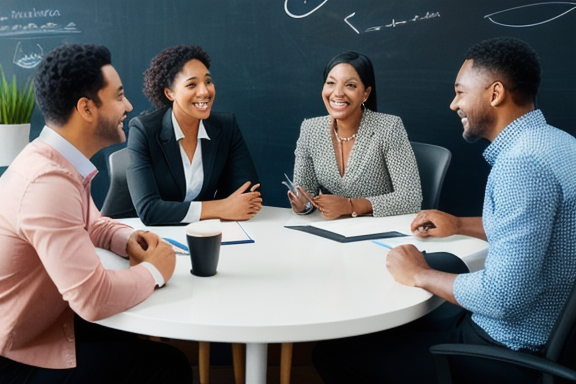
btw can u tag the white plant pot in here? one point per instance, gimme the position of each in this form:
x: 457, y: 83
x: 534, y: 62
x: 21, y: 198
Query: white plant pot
x: 13, y: 138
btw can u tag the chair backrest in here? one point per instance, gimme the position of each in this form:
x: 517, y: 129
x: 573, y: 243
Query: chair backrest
x: 433, y: 162
x: 561, y: 345
x: 118, y: 203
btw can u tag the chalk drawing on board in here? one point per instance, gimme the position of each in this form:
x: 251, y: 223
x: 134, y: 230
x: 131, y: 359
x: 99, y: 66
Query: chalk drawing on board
x: 35, y: 22
x: 28, y: 54
x: 32, y: 29
x: 303, y: 8
x: 346, y: 20
x: 393, y: 23
x: 531, y: 15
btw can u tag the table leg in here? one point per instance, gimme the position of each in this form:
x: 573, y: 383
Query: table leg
x: 204, y: 361
x: 285, y: 363
x: 256, y: 363
x: 239, y: 363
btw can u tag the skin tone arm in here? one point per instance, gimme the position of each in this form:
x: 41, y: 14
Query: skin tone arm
x: 243, y: 204
x: 331, y: 206
x: 147, y: 246
x: 433, y: 223
x: 408, y: 266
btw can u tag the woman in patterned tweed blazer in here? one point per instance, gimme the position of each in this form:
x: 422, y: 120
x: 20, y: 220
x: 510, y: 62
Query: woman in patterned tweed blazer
x: 354, y: 161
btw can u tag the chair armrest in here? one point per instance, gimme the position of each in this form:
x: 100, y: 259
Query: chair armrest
x: 505, y: 355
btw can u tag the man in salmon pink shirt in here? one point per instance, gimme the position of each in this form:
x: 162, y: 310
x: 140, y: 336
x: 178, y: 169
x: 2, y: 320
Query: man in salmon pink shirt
x: 52, y: 283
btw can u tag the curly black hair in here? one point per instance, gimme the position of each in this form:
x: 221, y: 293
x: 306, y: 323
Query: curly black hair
x: 68, y: 73
x: 363, y: 67
x: 513, y: 61
x: 164, y: 68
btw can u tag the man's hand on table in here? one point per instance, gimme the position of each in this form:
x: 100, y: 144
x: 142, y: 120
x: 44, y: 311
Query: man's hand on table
x: 433, y: 223
x: 147, y: 246
x: 408, y: 266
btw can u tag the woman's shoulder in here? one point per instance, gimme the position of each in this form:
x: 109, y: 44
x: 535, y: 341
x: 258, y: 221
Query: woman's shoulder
x: 150, y: 118
x: 314, y: 123
x: 380, y: 117
x: 318, y: 120
x: 383, y: 127
x: 311, y: 128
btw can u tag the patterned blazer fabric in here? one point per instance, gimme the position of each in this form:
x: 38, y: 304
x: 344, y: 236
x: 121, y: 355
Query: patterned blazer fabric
x: 381, y: 166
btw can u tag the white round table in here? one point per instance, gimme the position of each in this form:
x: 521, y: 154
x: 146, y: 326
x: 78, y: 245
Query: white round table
x: 287, y: 286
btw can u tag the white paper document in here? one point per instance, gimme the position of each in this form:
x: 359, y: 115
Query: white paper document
x: 232, y: 232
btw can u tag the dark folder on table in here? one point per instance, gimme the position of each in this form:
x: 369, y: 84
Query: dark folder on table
x: 341, y: 238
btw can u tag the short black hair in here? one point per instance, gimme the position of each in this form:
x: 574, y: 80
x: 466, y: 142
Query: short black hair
x: 68, y: 73
x: 511, y: 61
x: 363, y: 67
x: 164, y: 68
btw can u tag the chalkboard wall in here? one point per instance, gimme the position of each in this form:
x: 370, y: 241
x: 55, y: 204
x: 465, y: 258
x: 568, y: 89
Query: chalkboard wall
x: 268, y: 57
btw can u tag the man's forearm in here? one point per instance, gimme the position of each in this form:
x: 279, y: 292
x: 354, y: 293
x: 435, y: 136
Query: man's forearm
x: 439, y: 283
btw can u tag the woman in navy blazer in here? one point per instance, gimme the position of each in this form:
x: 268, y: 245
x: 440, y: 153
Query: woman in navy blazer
x: 188, y: 163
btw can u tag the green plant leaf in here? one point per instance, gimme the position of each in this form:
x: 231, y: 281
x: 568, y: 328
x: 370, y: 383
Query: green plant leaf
x: 16, y: 105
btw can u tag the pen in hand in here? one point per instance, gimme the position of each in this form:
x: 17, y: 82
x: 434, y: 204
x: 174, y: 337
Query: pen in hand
x: 426, y: 226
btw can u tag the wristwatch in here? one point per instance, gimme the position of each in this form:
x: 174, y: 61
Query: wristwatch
x: 353, y: 214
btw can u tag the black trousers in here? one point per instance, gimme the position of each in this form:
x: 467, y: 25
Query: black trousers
x: 107, y: 356
x: 401, y: 355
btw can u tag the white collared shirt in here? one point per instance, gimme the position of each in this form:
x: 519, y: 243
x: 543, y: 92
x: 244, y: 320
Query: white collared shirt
x: 87, y: 170
x: 70, y: 152
x: 193, y: 171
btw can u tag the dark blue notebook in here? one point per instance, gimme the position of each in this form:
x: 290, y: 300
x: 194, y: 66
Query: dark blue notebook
x: 441, y: 261
x: 446, y: 262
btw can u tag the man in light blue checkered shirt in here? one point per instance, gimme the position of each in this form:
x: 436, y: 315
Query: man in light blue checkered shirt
x: 529, y: 221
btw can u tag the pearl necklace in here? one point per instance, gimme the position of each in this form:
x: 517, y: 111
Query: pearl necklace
x: 341, y: 139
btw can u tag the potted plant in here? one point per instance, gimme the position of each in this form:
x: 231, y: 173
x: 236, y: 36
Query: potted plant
x: 16, y: 106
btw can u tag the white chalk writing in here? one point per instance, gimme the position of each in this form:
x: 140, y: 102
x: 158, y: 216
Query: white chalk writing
x: 395, y: 23
x: 506, y: 18
x: 35, y: 13
x: 35, y: 21
x: 306, y: 10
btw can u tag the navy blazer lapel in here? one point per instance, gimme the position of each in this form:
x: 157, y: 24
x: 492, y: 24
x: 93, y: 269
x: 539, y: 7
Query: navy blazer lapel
x: 171, y: 150
x: 210, y: 151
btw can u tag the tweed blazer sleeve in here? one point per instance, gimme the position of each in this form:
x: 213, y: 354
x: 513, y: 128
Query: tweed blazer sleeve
x: 381, y: 167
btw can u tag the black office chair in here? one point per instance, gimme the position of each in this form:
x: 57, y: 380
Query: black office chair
x: 433, y: 162
x: 557, y: 364
x: 118, y: 203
